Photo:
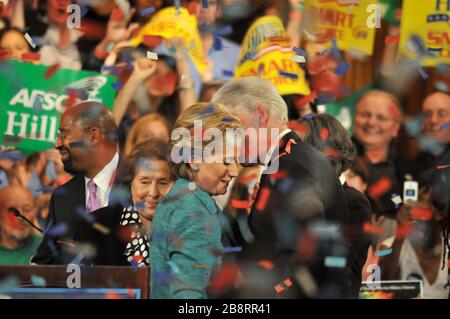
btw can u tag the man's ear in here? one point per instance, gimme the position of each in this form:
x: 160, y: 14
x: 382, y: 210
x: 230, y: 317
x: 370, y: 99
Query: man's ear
x: 94, y: 135
x: 262, y: 115
x: 397, y: 127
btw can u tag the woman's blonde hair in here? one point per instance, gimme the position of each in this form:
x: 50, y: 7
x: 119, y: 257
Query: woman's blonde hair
x: 131, y: 139
x: 211, y: 116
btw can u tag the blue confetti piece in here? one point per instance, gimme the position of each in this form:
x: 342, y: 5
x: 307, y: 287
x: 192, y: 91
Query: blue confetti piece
x: 444, y: 126
x: 8, y: 283
x: 342, y: 68
x: 77, y: 260
x: 232, y: 249
x: 228, y: 73
x: 177, y: 6
x: 286, y: 185
x: 45, y: 190
x: 173, y: 50
x: 422, y: 73
x: 57, y: 230
x: 210, y: 110
x: 85, y: 215
x: 205, y: 4
x: 174, y: 267
x: 300, y: 52
x: 335, y: 50
x: 288, y: 75
x: 134, y: 263
x: 381, y: 253
x: 308, y: 116
x: 434, y: 49
x: 227, y: 120
x: 260, y: 68
x: 76, y: 144
x: 335, y: 262
x: 117, y: 86
x: 217, y: 45
x: 38, y: 281
x: 11, y: 155
x: 226, y: 30
x: 84, y: 10
x: 326, y: 51
x: 139, y: 205
x: 147, y: 11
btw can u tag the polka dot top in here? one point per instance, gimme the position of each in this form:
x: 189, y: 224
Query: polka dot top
x: 137, y: 250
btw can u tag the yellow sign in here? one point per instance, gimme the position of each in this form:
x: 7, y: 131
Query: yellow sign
x: 266, y: 52
x: 170, y: 22
x: 350, y: 22
x: 429, y: 23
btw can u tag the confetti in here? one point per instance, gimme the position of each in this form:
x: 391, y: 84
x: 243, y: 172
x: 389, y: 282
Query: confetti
x: 100, y: 228
x: 225, y: 278
x: 442, y: 166
x: 380, y: 187
x: 113, y: 295
x: 152, y: 56
x: 403, y: 231
x: 335, y: 50
x: 266, y: 264
x: 117, y: 14
x: 422, y: 73
x: 51, y: 70
x: 385, y: 252
x: 30, y: 40
x: 263, y: 198
x: 57, y: 230
x: 205, y: 4
x: 371, y: 229
x: 217, y: 44
x: 117, y: 86
x: 226, y: 30
x: 30, y: 56
x: 335, y: 262
x: 444, y: 126
x: 227, y: 73
x: 300, y: 52
x: 12, y: 219
x: 240, y: 204
x: 421, y: 213
x: 232, y: 249
x: 281, y: 286
x: 11, y: 155
x: 298, y: 59
x: 391, y: 39
x: 307, y: 99
x: 434, y: 49
x: 147, y: 11
x: 324, y: 133
x: 342, y: 68
x: 177, y: 6
x: 289, y: 75
x: 38, y: 281
x: 396, y: 199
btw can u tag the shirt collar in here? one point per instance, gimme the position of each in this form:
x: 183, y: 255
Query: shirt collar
x: 275, y: 144
x: 104, y: 177
x: 342, y: 179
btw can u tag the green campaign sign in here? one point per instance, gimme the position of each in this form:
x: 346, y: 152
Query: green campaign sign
x: 31, y: 103
x: 344, y: 110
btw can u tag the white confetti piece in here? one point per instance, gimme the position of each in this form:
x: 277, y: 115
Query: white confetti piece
x: 152, y: 55
x: 30, y: 40
x: 397, y: 200
x: 298, y: 59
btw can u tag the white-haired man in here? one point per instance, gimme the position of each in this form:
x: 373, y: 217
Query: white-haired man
x: 301, y: 193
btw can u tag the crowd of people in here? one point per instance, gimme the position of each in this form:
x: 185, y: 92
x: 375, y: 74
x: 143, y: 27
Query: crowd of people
x: 308, y: 216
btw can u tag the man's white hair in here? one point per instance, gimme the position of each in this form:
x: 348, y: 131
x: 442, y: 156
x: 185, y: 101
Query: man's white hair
x: 249, y: 92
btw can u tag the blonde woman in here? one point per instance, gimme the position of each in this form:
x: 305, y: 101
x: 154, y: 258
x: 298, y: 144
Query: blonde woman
x: 186, y: 232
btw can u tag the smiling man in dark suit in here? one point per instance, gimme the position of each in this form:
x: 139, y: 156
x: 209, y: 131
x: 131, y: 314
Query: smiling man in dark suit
x: 88, y: 146
x: 299, y: 192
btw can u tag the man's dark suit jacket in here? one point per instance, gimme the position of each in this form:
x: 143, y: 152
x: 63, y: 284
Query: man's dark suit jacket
x: 67, y: 207
x: 305, y: 189
x: 359, y: 213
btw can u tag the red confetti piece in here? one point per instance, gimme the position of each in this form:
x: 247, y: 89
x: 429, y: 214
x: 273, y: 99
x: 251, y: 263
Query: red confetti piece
x: 113, y: 295
x: 151, y: 40
x: 12, y: 219
x: 244, y: 180
x: 263, y: 198
x: 72, y: 98
x: 51, y: 70
x: 30, y: 56
x: 306, y: 99
x: 279, y: 288
x: 225, y: 278
x: 138, y: 258
x: 288, y: 146
x: 288, y: 282
x: 380, y: 187
x: 131, y: 293
x: 442, y: 166
x: 208, y: 229
x: 368, y: 228
x: 421, y: 213
x: 391, y: 39
x: 395, y: 113
x: 266, y: 264
x: 332, y: 153
x: 324, y: 133
x: 403, y: 230
x: 279, y: 175
x: 240, y: 204
x: 117, y: 14
x: 300, y: 128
